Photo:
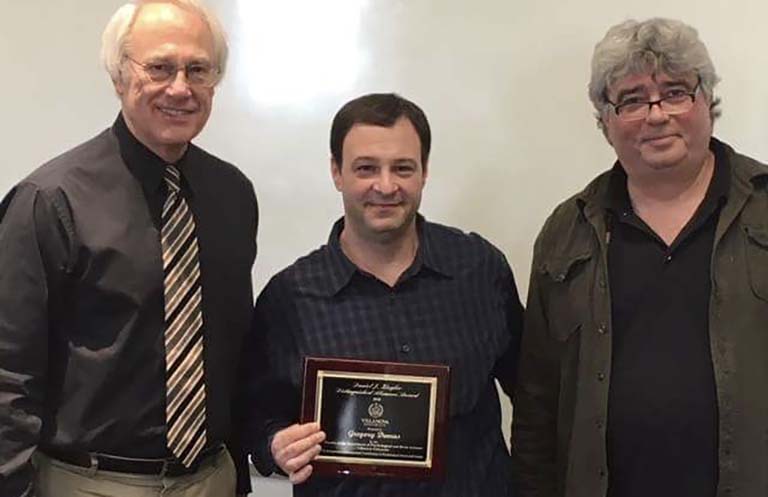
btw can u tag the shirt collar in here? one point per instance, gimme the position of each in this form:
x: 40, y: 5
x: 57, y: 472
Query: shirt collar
x: 146, y: 166
x: 341, y: 269
x: 433, y: 256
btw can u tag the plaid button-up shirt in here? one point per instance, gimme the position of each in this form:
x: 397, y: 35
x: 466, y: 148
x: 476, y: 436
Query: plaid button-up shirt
x: 457, y: 305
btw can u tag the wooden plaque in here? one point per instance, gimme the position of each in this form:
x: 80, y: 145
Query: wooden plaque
x: 381, y: 419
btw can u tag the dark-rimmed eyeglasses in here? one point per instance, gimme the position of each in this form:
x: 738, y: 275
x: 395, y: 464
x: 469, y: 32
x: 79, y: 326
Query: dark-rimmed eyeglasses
x: 195, y: 73
x: 673, y: 101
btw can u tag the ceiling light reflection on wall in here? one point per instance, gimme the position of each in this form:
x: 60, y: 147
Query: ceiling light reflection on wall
x: 298, y: 50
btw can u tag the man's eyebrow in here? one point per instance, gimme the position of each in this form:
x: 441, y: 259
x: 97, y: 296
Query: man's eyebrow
x: 364, y: 158
x: 640, y: 87
x: 627, y: 91
x: 165, y: 57
x: 676, y: 82
x: 405, y: 161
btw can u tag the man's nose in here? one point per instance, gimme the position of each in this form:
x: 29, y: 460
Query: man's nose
x: 385, y: 184
x: 179, y: 85
x: 656, y: 113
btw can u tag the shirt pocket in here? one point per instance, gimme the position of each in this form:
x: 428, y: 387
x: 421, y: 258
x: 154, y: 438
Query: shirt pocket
x: 757, y: 259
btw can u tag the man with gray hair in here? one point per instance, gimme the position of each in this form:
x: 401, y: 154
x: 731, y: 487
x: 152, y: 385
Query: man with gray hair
x: 125, y: 283
x: 643, y: 362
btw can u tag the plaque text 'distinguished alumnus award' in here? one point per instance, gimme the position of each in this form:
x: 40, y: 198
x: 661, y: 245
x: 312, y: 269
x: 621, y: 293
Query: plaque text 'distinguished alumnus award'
x: 380, y: 418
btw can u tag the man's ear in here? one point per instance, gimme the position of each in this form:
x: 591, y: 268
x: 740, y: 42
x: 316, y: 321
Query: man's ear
x: 607, y: 138
x: 604, y: 128
x: 336, y: 174
x: 120, y: 84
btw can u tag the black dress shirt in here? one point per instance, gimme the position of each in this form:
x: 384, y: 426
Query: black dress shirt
x: 662, y: 405
x: 457, y: 304
x: 82, y: 358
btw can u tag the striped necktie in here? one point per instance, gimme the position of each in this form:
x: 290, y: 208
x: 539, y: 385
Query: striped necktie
x: 185, y: 384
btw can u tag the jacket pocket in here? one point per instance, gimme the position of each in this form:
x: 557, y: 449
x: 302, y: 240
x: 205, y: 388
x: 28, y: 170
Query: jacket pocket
x: 569, y: 293
x: 757, y: 259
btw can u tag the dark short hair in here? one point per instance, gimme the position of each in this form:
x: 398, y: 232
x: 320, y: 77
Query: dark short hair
x: 378, y: 109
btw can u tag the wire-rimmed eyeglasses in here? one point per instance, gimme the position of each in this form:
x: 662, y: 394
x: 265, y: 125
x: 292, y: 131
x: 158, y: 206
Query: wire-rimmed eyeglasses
x: 195, y: 73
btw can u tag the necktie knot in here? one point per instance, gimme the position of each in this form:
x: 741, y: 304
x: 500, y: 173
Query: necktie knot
x: 172, y: 178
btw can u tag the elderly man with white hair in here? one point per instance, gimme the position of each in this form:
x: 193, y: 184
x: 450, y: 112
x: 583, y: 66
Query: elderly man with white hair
x: 126, y: 288
x: 645, y: 353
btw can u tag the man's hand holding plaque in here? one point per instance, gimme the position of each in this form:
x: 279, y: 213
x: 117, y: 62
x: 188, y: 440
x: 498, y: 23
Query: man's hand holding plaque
x: 294, y: 448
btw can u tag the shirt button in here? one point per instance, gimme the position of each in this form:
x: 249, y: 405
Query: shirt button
x: 600, y: 376
x: 600, y: 424
x: 405, y: 348
x: 668, y: 258
x: 602, y: 329
x: 602, y: 473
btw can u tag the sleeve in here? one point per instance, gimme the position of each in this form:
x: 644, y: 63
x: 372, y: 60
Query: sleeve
x: 505, y: 369
x: 274, y: 394
x: 534, y: 426
x: 33, y: 256
x: 236, y: 444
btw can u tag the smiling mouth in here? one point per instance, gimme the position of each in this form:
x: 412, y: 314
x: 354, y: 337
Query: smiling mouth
x: 173, y: 112
x: 654, y: 139
x: 384, y: 206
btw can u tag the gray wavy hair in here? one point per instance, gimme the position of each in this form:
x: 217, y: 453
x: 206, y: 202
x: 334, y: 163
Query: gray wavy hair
x: 118, y: 29
x: 655, y: 45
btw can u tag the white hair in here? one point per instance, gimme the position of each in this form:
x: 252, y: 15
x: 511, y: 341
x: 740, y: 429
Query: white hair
x: 115, y: 36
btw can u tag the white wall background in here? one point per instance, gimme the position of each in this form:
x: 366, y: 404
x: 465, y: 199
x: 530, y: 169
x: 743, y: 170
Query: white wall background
x: 502, y: 81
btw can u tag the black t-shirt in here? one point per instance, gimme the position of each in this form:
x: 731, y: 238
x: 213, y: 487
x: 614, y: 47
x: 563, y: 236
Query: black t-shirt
x: 662, y: 408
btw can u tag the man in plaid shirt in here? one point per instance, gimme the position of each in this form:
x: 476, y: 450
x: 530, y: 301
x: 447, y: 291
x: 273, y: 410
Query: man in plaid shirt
x: 389, y: 286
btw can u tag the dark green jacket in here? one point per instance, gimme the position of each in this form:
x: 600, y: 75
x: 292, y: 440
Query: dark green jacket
x: 565, y: 363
